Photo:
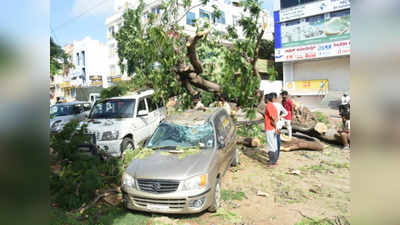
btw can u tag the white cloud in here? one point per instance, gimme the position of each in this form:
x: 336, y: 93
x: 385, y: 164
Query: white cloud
x: 94, y: 7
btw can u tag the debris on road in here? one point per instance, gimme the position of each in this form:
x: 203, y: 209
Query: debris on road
x: 263, y: 194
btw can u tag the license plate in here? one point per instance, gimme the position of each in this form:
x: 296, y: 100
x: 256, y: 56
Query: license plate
x: 157, y: 207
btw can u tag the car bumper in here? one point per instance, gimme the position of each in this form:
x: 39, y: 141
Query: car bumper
x: 170, y: 203
x: 110, y: 148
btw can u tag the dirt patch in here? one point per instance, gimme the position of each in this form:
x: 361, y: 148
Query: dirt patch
x: 320, y: 190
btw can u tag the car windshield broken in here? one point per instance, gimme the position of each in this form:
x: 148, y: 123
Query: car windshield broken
x: 113, y: 108
x: 173, y: 135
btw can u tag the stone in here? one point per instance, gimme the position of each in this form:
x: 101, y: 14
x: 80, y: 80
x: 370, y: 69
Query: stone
x: 263, y: 194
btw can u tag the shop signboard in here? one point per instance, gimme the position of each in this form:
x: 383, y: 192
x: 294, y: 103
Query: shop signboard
x: 314, y: 87
x: 314, y: 8
x: 316, y: 29
x: 338, y: 48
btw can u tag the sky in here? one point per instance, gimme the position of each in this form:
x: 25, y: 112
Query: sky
x: 75, y: 19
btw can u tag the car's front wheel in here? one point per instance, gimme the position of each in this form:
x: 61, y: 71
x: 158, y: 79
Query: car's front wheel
x: 217, y: 198
x: 127, y: 143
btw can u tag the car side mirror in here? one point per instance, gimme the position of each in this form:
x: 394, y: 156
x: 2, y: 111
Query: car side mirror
x: 142, y: 113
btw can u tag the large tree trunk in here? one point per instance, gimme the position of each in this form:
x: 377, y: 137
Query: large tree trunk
x: 300, y: 144
x: 304, y: 121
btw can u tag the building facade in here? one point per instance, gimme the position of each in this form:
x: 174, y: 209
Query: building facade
x: 90, y: 61
x: 231, y: 13
x: 312, y: 39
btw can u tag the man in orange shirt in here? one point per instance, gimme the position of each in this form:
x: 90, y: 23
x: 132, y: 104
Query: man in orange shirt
x: 271, y: 118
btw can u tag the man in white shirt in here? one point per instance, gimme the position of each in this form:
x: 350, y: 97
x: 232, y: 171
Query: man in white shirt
x: 282, y: 112
x: 345, y: 105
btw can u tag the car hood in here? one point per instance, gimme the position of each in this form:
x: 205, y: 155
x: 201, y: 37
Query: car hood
x: 159, y: 166
x: 105, y: 124
x: 64, y: 119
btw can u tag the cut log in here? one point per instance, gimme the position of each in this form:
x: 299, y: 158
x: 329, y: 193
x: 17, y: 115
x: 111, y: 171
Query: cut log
x: 291, y: 144
x: 304, y: 121
x: 321, y: 128
x: 249, y: 142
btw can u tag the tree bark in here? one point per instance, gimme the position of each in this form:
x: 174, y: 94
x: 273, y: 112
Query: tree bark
x: 299, y: 144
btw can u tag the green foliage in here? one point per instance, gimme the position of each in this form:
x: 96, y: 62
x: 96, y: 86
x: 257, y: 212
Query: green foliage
x: 321, y: 117
x: 273, y: 74
x: 228, y: 195
x: 58, y: 58
x: 312, y: 221
x: 227, y: 216
x: 252, y: 131
x: 207, y: 98
x: 151, y: 50
x: 79, y: 176
x: 267, y: 49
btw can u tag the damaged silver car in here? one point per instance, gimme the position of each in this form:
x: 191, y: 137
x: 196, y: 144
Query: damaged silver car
x: 185, y: 160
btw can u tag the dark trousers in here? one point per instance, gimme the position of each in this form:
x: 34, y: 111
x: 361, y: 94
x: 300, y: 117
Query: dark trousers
x: 278, y: 141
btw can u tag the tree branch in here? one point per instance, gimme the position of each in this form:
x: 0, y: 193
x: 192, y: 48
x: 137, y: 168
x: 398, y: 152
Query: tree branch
x: 203, y: 84
x: 191, y: 50
x: 257, y: 49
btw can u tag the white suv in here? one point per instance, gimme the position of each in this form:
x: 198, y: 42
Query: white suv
x: 120, y: 123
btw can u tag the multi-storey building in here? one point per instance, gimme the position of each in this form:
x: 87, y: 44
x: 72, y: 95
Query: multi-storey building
x: 90, y: 64
x: 231, y: 13
x: 312, y: 39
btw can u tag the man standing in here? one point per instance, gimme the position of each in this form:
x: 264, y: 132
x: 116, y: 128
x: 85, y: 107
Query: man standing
x: 289, y: 106
x: 271, y: 118
x: 281, y: 113
x: 345, y: 105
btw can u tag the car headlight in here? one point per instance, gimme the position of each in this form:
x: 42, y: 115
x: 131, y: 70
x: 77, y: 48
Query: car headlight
x: 110, y: 135
x: 128, y: 180
x: 56, y: 124
x: 195, y: 183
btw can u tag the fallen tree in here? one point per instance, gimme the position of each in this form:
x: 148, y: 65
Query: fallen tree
x: 305, y: 121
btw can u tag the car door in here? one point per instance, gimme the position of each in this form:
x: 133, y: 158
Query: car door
x: 225, y: 131
x: 221, y: 142
x: 141, y: 122
x: 153, y: 114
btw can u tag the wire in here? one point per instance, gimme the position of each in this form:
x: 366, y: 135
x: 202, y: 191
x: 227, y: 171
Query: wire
x: 83, y: 13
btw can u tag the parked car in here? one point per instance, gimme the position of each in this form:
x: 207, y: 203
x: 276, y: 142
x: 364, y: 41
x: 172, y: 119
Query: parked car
x: 120, y: 123
x: 62, y: 113
x: 167, y: 182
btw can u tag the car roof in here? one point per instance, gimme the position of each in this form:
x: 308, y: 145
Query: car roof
x: 135, y: 94
x: 192, y: 116
x: 73, y: 103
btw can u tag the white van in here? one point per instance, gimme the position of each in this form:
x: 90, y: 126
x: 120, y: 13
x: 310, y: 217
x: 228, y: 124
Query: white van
x: 120, y: 123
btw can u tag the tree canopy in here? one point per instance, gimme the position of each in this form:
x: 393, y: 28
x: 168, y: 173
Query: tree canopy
x: 58, y: 58
x: 206, y: 64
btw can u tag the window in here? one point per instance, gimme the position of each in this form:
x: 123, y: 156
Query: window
x: 190, y: 18
x: 221, y: 19
x: 142, y: 105
x: 315, y: 19
x: 151, y: 104
x: 223, y: 125
x: 204, y: 14
x: 234, y: 20
x: 111, y: 30
x: 83, y: 58
x: 345, y: 12
x: 292, y: 23
x: 77, y: 58
x: 289, y: 3
x: 156, y: 10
